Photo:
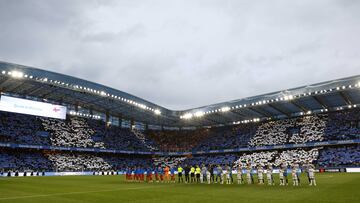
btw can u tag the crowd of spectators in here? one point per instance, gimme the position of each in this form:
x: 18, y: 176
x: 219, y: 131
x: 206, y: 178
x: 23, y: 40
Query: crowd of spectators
x: 95, y: 162
x: 88, y: 133
x: 30, y: 160
x: 295, y: 130
x: 72, y: 132
x: 339, y: 156
x: 224, y: 159
x: 174, y: 140
x: 22, y: 129
x: 343, y: 125
x: 255, y: 158
x: 170, y: 161
x: 23, y: 160
x: 228, y: 137
x: 275, y: 158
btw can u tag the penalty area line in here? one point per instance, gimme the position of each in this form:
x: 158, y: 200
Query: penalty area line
x: 74, y: 193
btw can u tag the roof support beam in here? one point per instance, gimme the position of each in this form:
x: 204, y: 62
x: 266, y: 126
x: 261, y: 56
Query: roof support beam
x: 263, y: 114
x: 16, y: 87
x: 43, y: 96
x: 211, y: 120
x: 346, y: 98
x: 299, y: 106
x: 250, y: 113
x: 227, y: 116
x: 321, y: 102
x: 240, y: 114
x: 34, y: 89
x: 94, y: 100
x: 287, y: 114
x: 4, y: 81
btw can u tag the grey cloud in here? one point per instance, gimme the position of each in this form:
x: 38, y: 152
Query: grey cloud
x: 183, y: 54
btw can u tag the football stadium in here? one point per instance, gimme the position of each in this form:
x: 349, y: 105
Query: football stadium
x: 65, y: 139
x: 179, y: 101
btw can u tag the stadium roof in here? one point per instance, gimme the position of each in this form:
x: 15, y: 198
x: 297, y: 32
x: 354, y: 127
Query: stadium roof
x: 25, y: 81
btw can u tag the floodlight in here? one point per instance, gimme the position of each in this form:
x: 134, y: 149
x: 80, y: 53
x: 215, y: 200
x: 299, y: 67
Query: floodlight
x: 199, y: 114
x: 225, y: 109
x: 17, y: 74
x: 157, y: 111
x: 187, y: 116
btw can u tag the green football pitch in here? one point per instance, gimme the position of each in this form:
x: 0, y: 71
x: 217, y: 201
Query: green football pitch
x: 332, y: 187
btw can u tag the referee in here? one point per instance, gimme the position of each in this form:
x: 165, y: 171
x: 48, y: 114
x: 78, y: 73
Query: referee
x: 180, y: 171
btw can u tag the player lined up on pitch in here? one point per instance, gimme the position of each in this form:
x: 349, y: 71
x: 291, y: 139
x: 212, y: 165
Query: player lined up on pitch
x: 222, y: 174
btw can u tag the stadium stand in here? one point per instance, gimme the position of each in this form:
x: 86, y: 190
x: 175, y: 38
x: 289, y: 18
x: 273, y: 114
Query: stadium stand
x: 20, y: 128
x: 73, y: 132
x: 94, y: 162
x: 343, y: 125
x: 106, y: 129
x: 339, y: 156
x: 88, y: 133
x: 178, y: 140
x: 228, y: 137
x: 24, y: 160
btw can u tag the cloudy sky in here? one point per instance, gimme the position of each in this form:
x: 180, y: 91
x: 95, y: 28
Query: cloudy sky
x: 183, y: 54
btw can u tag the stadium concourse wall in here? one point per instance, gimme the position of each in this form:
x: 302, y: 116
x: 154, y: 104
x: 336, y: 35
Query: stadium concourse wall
x: 244, y: 149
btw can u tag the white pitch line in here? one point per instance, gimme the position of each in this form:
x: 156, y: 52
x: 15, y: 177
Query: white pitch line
x: 72, y: 193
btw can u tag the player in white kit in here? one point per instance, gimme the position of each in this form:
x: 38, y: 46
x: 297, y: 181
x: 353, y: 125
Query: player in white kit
x: 269, y: 175
x: 224, y: 178
x: 249, y: 175
x: 260, y: 173
x: 208, y: 175
x: 294, y: 176
x: 312, y: 175
x: 228, y: 174
x: 203, y: 176
x: 239, y: 175
x: 281, y: 176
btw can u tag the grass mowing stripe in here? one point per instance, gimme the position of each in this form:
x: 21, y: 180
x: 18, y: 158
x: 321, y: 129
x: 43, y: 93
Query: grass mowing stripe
x: 74, y: 193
